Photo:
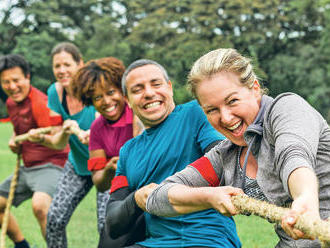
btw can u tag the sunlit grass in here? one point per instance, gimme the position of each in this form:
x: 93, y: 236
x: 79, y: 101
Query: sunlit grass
x: 82, y: 228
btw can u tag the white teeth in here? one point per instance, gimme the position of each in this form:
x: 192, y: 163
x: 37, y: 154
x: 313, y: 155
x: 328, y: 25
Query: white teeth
x: 235, y: 126
x: 152, y: 105
x: 111, y: 108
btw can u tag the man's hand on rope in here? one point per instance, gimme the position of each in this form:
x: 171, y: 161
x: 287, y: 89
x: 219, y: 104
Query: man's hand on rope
x: 15, y: 147
x: 35, y: 136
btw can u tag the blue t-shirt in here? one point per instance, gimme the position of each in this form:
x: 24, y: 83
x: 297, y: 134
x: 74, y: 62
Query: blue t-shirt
x: 79, y: 154
x: 160, y: 152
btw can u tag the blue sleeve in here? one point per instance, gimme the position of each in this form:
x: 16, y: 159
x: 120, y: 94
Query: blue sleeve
x: 53, y: 99
x: 206, y: 133
x: 120, y: 171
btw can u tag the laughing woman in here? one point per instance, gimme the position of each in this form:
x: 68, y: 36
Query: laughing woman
x: 98, y: 83
x: 76, y: 180
x: 276, y: 150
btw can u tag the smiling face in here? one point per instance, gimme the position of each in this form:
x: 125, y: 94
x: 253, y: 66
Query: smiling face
x: 15, y: 84
x: 149, y: 95
x: 65, y: 67
x: 109, y: 102
x: 229, y: 106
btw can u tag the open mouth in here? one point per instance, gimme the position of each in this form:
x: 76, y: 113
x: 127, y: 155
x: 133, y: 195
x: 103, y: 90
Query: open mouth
x: 15, y: 94
x: 151, y: 105
x: 237, y: 128
x: 64, y: 78
x: 110, y: 109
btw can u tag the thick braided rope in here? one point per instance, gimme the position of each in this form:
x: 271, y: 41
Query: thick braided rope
x: 5, y: 219
x: 25, y: 136
x: 311, y: 227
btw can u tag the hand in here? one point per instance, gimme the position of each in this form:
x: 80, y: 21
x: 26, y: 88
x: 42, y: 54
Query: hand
x: 220, y: 199
x: 35, y: 137
x: 14, y: 146
x: 83, y: 136
x: 141, y: 195
x: 301, y: 205
x: 112, y: 163
x: 69, y: 125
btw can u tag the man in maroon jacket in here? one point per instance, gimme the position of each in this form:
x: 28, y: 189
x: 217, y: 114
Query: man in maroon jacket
x: 27, y: 109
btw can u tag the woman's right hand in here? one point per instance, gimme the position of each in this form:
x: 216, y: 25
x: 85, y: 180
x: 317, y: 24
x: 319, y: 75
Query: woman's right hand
x: 220, y: 199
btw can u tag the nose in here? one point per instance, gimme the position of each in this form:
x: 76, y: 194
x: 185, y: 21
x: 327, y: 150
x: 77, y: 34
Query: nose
x: 12, y: 85
x: 106, y: 99
x: 61, y: 69
x: 225, y: 115
x: 148, y: 91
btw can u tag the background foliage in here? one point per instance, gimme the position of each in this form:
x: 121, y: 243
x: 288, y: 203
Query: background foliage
x: 288, y: 41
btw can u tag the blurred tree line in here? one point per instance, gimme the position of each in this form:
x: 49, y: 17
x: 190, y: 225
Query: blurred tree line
x: 289, y: 41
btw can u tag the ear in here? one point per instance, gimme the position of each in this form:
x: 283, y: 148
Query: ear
x: 170, y: 85
x: 28, y: 76
x: 81, y: 63
x: 256, y: 85
x: 256, y: 88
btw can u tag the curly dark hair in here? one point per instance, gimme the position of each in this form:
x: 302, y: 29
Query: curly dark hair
x: 99, y: 72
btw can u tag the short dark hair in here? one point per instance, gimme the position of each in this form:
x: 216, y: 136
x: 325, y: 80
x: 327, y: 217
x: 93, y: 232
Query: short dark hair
x: 14, y: 60
x: 139, y: 63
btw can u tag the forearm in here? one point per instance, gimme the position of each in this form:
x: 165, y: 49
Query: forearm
x: 186, y: 200
x: 56, y: 141
x: 166, y: 199
x: 302, y: 182
x: 303, y: 187
x: 102, y: 179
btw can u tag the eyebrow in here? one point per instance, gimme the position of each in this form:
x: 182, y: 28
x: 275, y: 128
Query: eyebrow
x: 227, y: 97
x: 155, y: 80
x: 136, y: 85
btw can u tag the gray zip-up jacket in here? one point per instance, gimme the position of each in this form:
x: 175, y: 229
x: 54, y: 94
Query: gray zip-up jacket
x: 287, y: 134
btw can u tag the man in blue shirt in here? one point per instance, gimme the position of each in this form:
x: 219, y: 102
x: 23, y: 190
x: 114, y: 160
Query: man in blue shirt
x: 174, y: 137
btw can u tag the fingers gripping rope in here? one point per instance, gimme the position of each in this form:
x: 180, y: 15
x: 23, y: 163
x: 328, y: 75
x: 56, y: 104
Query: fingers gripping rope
x: 316, y: 228
x: 23, y: 137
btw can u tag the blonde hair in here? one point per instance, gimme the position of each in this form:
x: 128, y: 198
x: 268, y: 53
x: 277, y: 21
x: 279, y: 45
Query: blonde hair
x: 223, y: 59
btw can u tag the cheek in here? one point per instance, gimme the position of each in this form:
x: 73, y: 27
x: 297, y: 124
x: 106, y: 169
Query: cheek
x: 97, y: 105
x: 4, y: 86
x: 213, y: 120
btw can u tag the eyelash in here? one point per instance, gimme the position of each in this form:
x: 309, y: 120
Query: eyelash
x: 232, y: 101
x: 210, y: 111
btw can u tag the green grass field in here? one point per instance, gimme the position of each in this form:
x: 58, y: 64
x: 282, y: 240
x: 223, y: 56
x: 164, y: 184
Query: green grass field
x: 82, y: 231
